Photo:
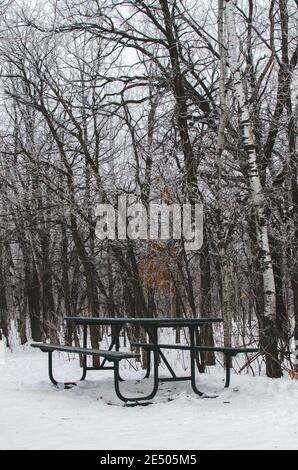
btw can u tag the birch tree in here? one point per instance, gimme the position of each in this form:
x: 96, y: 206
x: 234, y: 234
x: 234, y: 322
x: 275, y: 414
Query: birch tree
x: 268, y: 334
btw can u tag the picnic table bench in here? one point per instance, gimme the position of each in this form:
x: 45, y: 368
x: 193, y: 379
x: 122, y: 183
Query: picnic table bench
x: 111, y: 356
x: 228, y: 352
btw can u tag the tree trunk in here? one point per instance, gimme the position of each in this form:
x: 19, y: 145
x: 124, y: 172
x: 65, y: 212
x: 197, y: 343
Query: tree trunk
x: 223, y: 262
x: 268, y: 323
x: 206, y: 308
x: 34, y: 304
x: 3, y: 302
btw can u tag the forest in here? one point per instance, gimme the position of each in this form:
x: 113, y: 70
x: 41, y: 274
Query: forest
x: 167, y: 102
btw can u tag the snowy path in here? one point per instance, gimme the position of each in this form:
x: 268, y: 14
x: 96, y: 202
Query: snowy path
x: 259, y: 414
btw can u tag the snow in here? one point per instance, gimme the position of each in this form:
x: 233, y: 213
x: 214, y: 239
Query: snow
x: 255, y: 413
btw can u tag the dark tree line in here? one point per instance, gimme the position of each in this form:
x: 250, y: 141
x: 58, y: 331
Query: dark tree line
x: 166, y: 101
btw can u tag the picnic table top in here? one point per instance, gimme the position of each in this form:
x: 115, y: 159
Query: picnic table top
x: 157, y: 322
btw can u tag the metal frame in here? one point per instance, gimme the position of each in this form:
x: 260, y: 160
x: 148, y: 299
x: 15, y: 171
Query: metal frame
x: 51, y: 376
x: 193, y: 362
x: 115, y: 342
x: 151, y: 395
x: 228, y: 365
x: 154, y: 338
x: 174, y: 377
x: 152, y: 332
x: 151, y: 327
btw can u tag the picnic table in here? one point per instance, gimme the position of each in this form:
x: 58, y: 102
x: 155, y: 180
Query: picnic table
x: 154, y: 347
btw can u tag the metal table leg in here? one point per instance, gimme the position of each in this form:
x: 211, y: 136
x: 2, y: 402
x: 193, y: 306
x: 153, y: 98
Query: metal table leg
x: 51, y: 376
x: 193, y: 365
x: 148, y: 364
x: 155, y: 375
x: 84, y: 356
x: 160, y: 353
x: 115, y: 342
x: 228, y: 363
x: 193, y: 362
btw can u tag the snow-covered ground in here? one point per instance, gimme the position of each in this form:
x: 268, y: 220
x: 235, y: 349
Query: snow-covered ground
x: 256, y: 413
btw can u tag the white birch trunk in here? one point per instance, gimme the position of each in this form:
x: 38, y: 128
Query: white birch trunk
x: 254, y: 178
x: 223, y: 261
